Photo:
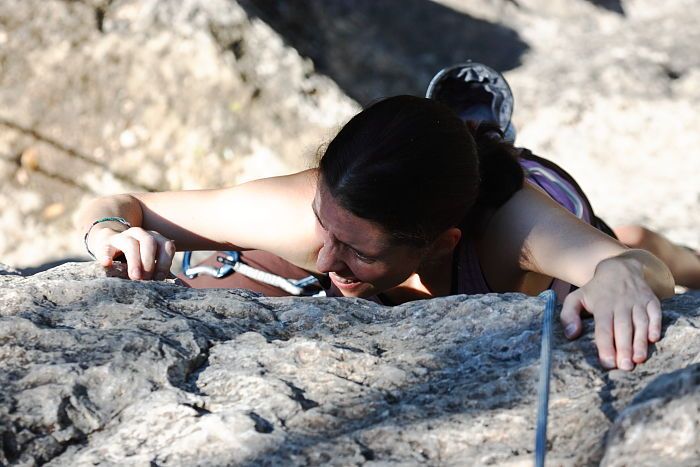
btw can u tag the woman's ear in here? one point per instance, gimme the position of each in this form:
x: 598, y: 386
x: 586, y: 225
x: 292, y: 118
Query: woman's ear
x: 446, y: 242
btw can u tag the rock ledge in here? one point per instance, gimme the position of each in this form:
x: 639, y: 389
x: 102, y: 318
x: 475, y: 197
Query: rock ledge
x: 97, y: 369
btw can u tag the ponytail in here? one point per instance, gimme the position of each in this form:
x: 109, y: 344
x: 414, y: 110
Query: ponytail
x: 499, y: 169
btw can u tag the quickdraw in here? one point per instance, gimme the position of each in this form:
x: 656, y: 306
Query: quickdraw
x: 232, y: 261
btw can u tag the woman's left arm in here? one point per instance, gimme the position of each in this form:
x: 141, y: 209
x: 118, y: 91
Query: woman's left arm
x: 620, y: 287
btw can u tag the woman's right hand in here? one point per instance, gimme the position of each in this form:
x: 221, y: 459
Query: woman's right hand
x: 148, y: 254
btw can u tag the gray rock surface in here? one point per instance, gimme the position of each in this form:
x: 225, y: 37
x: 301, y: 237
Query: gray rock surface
x: 102, y: 97
x: 106, y: 96
x: 100, y: 370
x: 609, y: 89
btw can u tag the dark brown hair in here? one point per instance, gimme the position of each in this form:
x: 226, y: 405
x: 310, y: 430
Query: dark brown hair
x: 412, y: 166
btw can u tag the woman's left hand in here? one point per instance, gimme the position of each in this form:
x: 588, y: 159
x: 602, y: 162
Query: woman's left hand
x: 621, y: 287
x: 626, y: 310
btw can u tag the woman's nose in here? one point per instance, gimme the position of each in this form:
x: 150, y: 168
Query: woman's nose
x: 328, y: 260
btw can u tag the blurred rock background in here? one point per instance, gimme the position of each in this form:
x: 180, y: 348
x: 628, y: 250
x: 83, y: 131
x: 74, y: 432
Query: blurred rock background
x: 105, y: 96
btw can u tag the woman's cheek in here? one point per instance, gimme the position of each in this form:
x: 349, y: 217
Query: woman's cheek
x: 366, y: 272
x: 385, y: 278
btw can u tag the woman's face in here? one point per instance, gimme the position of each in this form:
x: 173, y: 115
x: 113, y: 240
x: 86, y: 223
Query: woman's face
x: 358, y: 254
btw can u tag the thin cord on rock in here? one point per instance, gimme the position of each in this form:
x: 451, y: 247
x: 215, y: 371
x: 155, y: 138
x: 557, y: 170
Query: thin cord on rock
x: 545, y: 373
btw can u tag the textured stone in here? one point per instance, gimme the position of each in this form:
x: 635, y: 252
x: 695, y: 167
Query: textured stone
x: 117, y: 95
x: 102, y: 97
x: 608, y: 89
x: 661, y: 426
x: 98, y: 369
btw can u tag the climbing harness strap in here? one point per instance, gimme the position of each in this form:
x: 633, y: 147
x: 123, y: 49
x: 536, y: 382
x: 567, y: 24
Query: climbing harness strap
x: 545, y: 374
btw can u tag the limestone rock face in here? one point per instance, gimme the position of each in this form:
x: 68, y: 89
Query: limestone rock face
x: 103, y: 97
x: 98, y: 369
x: 607, y: 88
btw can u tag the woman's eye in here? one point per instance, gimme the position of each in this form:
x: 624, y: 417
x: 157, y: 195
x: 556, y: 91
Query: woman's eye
x: 362, y: 258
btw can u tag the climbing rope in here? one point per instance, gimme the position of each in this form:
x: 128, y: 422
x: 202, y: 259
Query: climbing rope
x: 545, y: 373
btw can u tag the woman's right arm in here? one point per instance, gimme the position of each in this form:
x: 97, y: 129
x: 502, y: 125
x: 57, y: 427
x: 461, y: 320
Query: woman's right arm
x: 272, y: 214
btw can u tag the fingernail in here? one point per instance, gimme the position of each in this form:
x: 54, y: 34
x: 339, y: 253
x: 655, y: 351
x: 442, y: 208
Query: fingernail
x: 654, y: 336
x: 608, y: 363
x: 160, y: 276
x: 569, y: 330
x: 626, y: 364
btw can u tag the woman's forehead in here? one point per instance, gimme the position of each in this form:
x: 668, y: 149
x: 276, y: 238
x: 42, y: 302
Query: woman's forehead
x: 362, y: 234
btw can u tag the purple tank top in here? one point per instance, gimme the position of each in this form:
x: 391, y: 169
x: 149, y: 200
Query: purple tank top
x: 469, y: 276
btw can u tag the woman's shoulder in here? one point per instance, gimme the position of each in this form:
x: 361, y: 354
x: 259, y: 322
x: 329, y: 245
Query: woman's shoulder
x: 502, y: 243
x: 271, y: 214
x: 297, y: 185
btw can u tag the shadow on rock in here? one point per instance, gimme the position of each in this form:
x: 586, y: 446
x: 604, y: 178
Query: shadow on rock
x: 611, y: 5
x: 377, y: 49
x: 472, y: 381
x: 671, y: 385
x: 46, y: 266
x: 669, y: 405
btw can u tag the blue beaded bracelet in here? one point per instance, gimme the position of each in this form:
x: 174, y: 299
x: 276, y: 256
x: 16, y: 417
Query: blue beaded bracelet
x: 121, y: 220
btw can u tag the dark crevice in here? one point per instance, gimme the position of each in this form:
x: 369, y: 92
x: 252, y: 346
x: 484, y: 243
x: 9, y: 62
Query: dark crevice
x: 615, y: 6
x: 266, y: 307
x: 236, y: 47
x: 100, y: 11
x: 607, y: 398
x: 365, y: 450
x: 229, y: 40
x: 378, y: 351
x: 348, y: 347
x: 81, y: 438
x: 671, y: 73
x: 100, y: 18
x: 49, y: 301
x: 64, y: 421
x: 391, y: 398
x: 195, y: 369
x: 10, y: 449
x: 298, y: 396
x: 62, y: 413
x: 199, y: 409
x: 206, y: 328
x: 345, y: 378
x: 184, y: 374
x: 261, y: 425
